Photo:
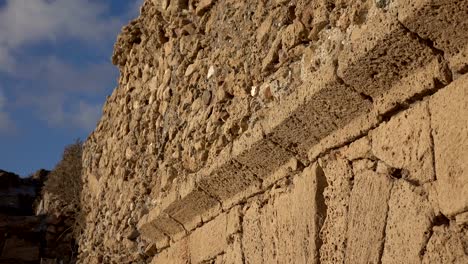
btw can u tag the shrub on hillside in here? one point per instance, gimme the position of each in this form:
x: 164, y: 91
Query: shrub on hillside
x: 64, y: 185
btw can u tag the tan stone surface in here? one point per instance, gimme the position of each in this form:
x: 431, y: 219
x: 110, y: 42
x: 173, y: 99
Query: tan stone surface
x: 368, y: 210
x: 221, y: 104
x: 285, y: 229
x: 442, y: 22
x: 447, y: 245
x: 209, y: 240
x: 449, y: 120
x: 178, y: 253
x: 405, y: 142
x: 339, y: 176
x: 379, y: 54
x: 408, y: 225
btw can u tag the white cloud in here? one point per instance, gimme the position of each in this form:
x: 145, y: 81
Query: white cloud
x: 57, y: 92
x: 54, y: 90
x: 24, y: 22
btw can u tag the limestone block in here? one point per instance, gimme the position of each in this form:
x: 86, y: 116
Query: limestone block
x: 259, y: 154
x: 209, y: 240
x: 157, y: 224
x: 338, y: 173
x: 444, y: 22
x: 449, y: 119
x: 228, y: 180
x: 150, y: 232
x: 380, y: 53
x: 234, y: 253
x: 367, y: 216
x: 178, y: 253
x: 359, y: 149
x: 189, y: 209
x: 409, y: 223
x: 447, y: 245
x: 357, y: 128
x: 286, y: 228
x: 424, y: 80
x: 311, y: 113
x: 405, y: 143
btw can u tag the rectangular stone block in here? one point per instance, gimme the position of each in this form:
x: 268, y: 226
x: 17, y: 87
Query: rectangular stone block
x: 150, y: 232
x: 228, y: 180
x: 338, y: 173
x: 321, y: 106
x: 259, y: 154
x: 405, y: 142
x: 443, y: 22
x: 379, y: 54
x: 409, y: 224
x: 209, y: 240
x: 286, y: 229
x: 449, y: 121
x: 367, y: 216
x: 189, y: 209
x: 157, y: 223
x: 178, y: 253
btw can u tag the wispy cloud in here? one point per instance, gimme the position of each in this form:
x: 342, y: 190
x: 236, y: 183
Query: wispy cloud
x: 57, y: 90
x: 25, y: 22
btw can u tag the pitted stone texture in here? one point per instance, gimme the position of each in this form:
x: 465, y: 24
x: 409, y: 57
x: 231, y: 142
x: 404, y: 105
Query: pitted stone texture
x: 209, y: 240
x: 444, y: 22
x: 285, y: 229
x: 425, y: 80
x: 159, y: 224
x: 339, y: 175
x: 321, y: 106
x: 448, y: 244
x: 259, y: 154
x: 409, y: 223
x: 190, y: 208
x: 405, y: 142
x: 206, y: 242
x: 359, y: 149
x: 379, y: 54
x: 178, y: 253
x: 368, y: 210
x: 449, y: 119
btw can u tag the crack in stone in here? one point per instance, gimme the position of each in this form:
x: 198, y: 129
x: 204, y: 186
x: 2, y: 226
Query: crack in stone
x: 178, y: 222
x: 384, y: 235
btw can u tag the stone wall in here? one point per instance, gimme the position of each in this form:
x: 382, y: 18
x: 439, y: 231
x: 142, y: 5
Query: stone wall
x: 283, y: 132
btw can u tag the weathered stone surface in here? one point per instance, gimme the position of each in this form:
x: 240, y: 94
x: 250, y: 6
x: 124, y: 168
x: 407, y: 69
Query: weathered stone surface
x: 368, y: 210
x: 223, y: 103
x: 178, y: 253
x: 379, y: 54
x: 339, y: 176
x: 318, y: 108
x: 286, y: 228
x: 449, y: 120
x: 442, y: 22
x: 408, y: 226
x: 405, y: 142
x: 447, y: 245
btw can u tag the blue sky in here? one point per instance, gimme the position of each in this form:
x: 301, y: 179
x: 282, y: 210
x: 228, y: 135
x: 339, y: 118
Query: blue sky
x: 55, y: 74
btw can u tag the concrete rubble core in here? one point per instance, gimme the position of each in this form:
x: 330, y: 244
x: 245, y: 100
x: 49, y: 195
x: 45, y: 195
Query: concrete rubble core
x: 325, y: 131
